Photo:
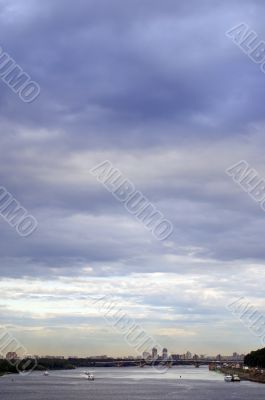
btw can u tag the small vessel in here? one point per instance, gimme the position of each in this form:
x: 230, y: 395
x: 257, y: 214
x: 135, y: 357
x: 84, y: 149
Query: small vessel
x: 235, y: 378
x: 90, y: 376
x: 228, y: 378
x: 46, y: 373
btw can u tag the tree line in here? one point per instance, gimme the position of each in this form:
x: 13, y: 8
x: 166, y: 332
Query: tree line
x: 255, y: 358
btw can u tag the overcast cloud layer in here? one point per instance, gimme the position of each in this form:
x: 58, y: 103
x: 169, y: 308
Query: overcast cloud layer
x: 158, y: 89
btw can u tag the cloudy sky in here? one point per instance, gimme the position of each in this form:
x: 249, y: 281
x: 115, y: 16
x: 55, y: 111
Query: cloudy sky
x: 157, y: 88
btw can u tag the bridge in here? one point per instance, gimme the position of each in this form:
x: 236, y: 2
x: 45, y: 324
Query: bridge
x: 148, y: 362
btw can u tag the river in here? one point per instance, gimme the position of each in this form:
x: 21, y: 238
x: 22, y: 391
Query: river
x: 179, y: 383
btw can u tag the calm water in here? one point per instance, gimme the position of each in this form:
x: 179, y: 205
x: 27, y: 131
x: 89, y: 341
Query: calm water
x: 128, y: 383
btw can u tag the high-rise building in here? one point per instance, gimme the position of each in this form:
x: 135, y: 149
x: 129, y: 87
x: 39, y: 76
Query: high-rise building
x: 188, y: 355
x: 164, y: 354
x: 154, y: 353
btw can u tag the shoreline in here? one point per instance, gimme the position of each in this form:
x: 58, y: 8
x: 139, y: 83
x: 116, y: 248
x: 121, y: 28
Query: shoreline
x: 252, y: 376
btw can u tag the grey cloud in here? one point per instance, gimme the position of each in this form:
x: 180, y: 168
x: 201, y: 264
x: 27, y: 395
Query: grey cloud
x: 161, y: 91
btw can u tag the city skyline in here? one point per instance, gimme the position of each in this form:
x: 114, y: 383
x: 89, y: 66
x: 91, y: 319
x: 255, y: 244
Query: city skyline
x: 146, y: 355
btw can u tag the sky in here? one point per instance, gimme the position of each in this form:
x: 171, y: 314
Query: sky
x: 158, y: 89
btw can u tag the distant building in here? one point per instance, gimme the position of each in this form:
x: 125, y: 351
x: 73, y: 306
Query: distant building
x: 188, y: 355
x: 154, y: 353
x: 164, y: 354
x: 11, y: 355
x: 146, y: 355
x: 103, y: 357
x: 236, y: 356
x: 175, y: 357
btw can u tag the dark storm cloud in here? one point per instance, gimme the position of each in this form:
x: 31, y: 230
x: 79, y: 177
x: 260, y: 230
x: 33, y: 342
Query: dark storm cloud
x: 116, y: 69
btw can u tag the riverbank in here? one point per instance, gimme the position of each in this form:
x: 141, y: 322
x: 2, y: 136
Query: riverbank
x: 7, y: 368
x: 253, y: 375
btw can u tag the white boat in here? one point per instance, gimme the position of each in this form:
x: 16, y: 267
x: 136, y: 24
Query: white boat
x: 228, y: 378
x: 89, y: 375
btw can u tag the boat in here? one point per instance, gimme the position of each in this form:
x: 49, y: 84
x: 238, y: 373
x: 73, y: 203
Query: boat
x: 46, y: 373
x: 228, y: 378
x: 235, y: 378
x: 89, y: 375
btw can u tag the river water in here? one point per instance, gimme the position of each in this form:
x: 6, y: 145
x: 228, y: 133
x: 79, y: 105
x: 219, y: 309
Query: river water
x: 132, y: 383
